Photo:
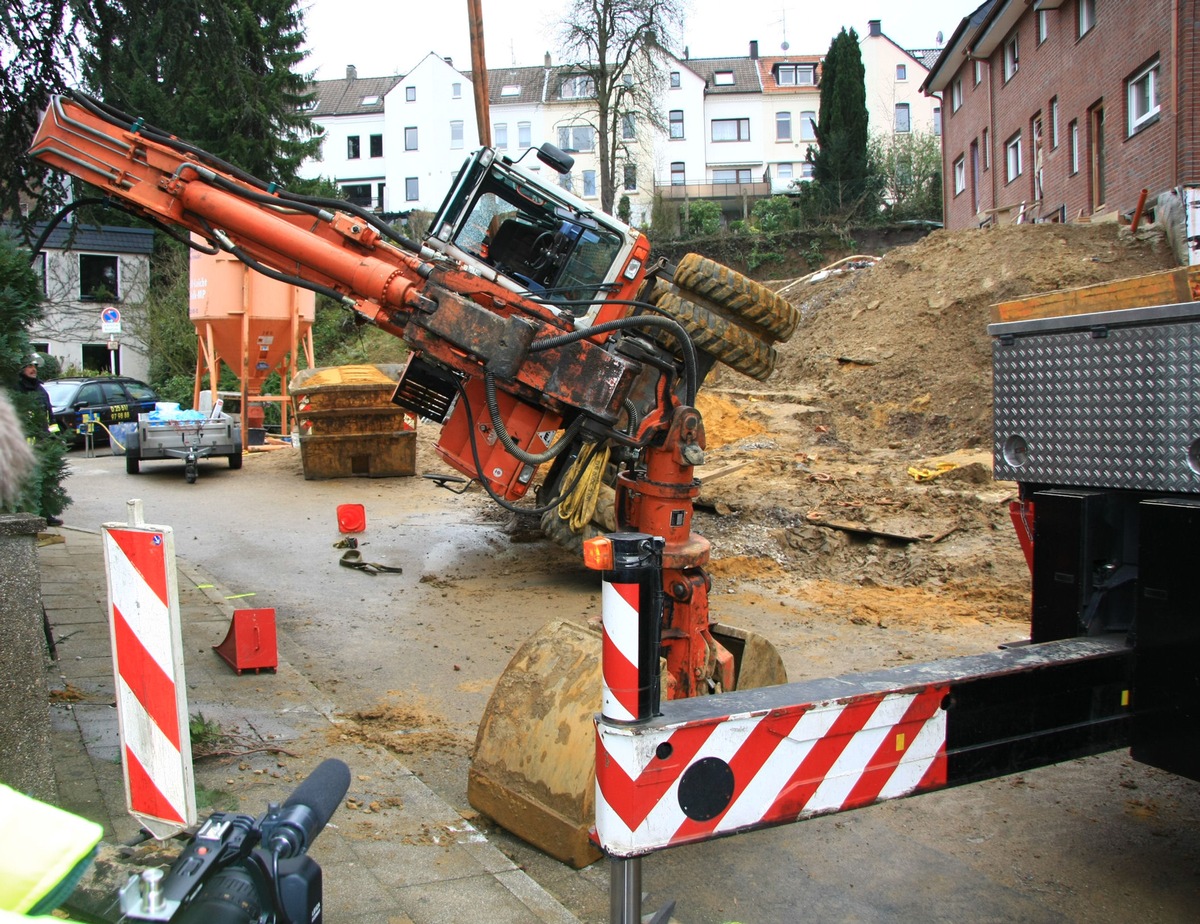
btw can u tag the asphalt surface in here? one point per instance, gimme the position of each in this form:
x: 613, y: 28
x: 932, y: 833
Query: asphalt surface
x: 1098, y: 839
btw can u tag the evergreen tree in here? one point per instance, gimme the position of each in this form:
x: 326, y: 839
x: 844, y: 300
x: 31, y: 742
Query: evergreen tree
x: 21, y: 305
x: 221, y: 75
x: 841, y: 167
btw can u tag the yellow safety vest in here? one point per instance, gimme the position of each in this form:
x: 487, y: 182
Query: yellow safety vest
x: 43, y: 853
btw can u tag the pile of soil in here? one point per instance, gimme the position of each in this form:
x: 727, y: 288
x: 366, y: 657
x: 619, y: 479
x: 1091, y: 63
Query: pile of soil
x: 890, y: 371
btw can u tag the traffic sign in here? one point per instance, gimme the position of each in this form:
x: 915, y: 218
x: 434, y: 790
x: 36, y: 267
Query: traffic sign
x: 110, y: 320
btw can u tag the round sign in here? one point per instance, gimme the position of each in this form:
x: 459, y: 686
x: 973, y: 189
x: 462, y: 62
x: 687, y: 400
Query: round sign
x: 110, y: 315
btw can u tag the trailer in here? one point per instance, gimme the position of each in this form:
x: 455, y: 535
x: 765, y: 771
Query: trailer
x: 189, y: 439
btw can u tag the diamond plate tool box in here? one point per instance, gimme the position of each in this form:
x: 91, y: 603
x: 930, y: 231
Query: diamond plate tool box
x: 1109, y: 399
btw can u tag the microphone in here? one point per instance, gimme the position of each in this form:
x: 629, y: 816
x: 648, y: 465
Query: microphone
x: 308, y: 809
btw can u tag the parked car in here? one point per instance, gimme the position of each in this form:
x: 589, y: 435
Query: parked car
x: 113, y: 399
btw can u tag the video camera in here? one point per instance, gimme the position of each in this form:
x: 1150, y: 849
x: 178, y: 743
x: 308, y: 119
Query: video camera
x: 242, y: 870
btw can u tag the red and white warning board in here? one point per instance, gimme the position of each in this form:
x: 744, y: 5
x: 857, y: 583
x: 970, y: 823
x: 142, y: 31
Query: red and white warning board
x: 144, y: 625
x: 681, y: 783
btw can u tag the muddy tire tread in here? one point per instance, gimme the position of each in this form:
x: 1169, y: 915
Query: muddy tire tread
x: 775, y: 317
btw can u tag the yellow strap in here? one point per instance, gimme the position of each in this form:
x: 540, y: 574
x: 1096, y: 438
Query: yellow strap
x: 578, y: 506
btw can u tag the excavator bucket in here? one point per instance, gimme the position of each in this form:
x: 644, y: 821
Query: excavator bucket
x: 533, y: 770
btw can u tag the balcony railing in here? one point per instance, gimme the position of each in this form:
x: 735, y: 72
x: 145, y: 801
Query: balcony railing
x: 712, y: 190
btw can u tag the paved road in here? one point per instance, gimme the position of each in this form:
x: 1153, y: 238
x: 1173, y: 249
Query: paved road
x: 1094, y: 840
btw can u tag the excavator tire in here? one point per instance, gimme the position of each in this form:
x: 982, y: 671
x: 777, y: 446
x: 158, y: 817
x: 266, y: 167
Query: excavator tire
x: 774, y: 318
x: 533, y: 770
x: 730, y: 343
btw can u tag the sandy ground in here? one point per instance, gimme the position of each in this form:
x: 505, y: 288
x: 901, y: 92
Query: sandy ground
x: 823, y: 541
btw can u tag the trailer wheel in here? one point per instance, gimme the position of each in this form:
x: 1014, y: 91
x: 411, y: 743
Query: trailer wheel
x: 775, y: 317
x: 132, y: 464
x: 733, y: 345
x: 235, y: 460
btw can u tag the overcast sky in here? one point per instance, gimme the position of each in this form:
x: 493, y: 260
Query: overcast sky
x: 385, y: 37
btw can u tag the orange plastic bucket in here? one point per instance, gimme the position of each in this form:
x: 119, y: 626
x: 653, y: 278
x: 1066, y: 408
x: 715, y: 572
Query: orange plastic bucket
x: 352, y: 518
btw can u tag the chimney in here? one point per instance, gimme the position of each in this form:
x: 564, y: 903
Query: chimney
x: 449, y: 60
x: 754, y: 49
x: 874, y: 27
x: 547, y: 59
x: 351, y: 71
x: 685, y: 52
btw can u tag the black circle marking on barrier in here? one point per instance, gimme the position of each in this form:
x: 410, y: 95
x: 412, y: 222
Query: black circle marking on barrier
x: 706, y: 789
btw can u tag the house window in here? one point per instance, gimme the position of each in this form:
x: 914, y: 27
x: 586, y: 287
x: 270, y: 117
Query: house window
x: 630, y: 183
x: 978, y: 71
x: 675, y: 117
x: 675, y: 84
x: 1053, y: 122
x: 576, y: 137
x: 1012, y: 157
x: 410, y: 138
x: 987, y: 151
x: 1073, y: 143
x: 677, y: 173
x: 729, y: 176
x: 589, y: 184
x: 628, y: 126
x: 379, y: 190
x: 960, y: 175
x: 376, y: 145
x: 783, y: 126
x: 937, y: 120
x: 369, y: 101
x: 731, y: 130
x: 456, y: 134
x: 956, y: 94
x: 1043, y: 26
x: 98, y: 278
x: 901, y: 72
x: 808, y: 122
x: 578, y: 87
x: 723, y: 79
x: 567, y: 181
x: 807, y: 170
x: 510, y: 89
x: 456, y: 91
x: 500, y: 135
x: 358, y: 194
x: 903, y: 120
x: 40, y: 268
x: 524, y: 134
x: 784, y: 172
x: 353, y: 148
x: 1012, y: 58
x: 410, y: 94
x: 1087, y: 16
x: 411, y: 189
x: 792, y: 75
x: 1143, y: 97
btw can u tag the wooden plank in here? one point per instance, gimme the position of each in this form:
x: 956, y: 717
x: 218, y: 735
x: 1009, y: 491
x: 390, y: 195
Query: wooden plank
x: 1166, y: 288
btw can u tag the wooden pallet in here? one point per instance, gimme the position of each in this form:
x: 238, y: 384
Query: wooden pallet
x: 1166, y: 288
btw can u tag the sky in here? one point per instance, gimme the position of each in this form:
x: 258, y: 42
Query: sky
x: 385, y: 37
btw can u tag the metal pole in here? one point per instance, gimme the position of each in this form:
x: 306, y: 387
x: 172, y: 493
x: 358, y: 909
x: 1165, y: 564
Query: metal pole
x: 631, y: 639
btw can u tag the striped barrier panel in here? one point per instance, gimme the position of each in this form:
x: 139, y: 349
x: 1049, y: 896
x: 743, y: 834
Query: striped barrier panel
x: 144, y: 626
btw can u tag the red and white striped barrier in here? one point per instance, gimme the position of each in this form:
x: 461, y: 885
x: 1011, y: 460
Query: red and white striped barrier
x: 144, y: 625
x: 678, y: 783
x: 619, y: 616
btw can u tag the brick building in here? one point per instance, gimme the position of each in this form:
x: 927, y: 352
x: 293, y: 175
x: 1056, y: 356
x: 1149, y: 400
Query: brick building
x: 1060, y: 109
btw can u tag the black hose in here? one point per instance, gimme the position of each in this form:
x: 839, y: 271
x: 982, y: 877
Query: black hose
x: 506, y: 440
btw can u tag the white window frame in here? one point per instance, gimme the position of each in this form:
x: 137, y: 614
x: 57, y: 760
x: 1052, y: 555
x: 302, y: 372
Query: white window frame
x: 1043, y: 25
x: 589, y: 184
x: 901, y: 72
x: 1054, y: 138
x: 410, y: 138
x: 978, y: 69
x: 675, y: 125
x: 1012, y: 57
x: 737, y: 123
x: 783, y: 126
x: 1142, y: 90
x: 784, y: 171
x: 456, y: 134
x: 723, y: 79
x: 960, y: 175
x: 524, y: 135
x: 1086, y: 18
x: 808, y: 118
x: 1012, y: 158
x: 500, y: 135
x: 1073, y: 139
x: 903, y: 115
x: 680, y: 174
x: 987, y: 150
x: 456, y: 90
x: 410, y: 94
x: 956, y: 94
x: 937, y: 120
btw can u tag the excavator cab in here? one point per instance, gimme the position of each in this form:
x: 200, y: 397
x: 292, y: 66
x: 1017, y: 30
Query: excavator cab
x: 509, y: 225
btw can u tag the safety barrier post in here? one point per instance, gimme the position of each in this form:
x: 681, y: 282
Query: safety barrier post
x: 631, y: 604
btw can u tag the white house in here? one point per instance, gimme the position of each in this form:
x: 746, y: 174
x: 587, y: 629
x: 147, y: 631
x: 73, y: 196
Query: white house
x: 95, y: 278
x: 895, y: 103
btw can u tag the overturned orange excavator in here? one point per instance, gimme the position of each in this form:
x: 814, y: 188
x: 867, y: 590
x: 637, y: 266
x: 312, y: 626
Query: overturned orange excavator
x: 542, y: 336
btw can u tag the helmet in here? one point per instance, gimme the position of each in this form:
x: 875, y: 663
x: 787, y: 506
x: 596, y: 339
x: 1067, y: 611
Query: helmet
x: 33, y: 359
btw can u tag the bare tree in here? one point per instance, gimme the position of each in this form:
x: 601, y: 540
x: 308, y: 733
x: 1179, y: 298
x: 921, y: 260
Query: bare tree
x: 614, y: 42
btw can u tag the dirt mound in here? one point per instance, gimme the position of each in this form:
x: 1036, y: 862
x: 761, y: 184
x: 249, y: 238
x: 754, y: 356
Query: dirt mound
x: 870, y: 459
x: 900, y: 350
